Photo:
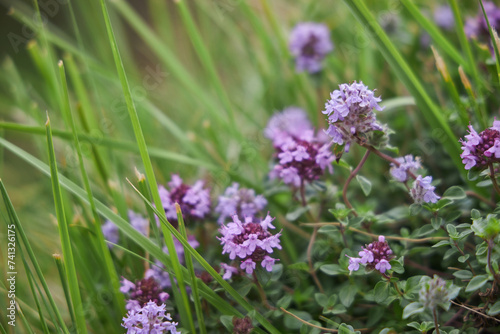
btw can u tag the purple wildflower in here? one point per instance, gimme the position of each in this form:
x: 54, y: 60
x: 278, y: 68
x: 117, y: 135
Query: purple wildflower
x: 110, y: 232
x: 151, y: 318
x: 436, y: 292
x: 443, y: 16
x: 250, y: 241
x: 158, y: 272
x: 422, y: 190
x: 138, y: 222
x: 480, y: 150
x: 228, y: 271
x: 240, y: 201
x: 309, y: 43
x: 291, y: 122
x: 476, y: 27
x: 406, y: 164
x: 302, y: 155
x: 350, y: 113
x: 242, y: 326
x: 374, y: 256
x: 143, y: 291
x: 194, y: 200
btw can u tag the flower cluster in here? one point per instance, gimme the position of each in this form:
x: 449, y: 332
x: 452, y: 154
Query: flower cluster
x: 240, y: 201
x: 422, y: 190
x: 350, y: 113
x: 242, y: 325
x: 309, y: 44
x: 407, y: 164
x: 159, y: 273
x: 443, y: 16
x: 110, y: 230
x: 374, y: 256
x: 302, y: 155
x: 476, y: 27
x: 151, y: 318
x: 143, y: 291
x: 194, y: 200
x: 292, y: 122
x: 480, y: 150
x: 251, y: 242
x: 436, y: 292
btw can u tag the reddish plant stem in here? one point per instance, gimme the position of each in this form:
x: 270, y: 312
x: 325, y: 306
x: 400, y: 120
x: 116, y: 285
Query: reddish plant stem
x: 493, y: 179
x: 349, y: 179
x: 309, y: 259
x: 303, y: 193
x: 388, y: 158
x: 460, y: 250
x: 481, y: 198
x: 436, y: 325
x: 262, y: 293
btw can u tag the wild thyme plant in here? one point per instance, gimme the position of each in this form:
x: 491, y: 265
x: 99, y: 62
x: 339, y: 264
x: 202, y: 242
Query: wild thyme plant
x: 259, y: 210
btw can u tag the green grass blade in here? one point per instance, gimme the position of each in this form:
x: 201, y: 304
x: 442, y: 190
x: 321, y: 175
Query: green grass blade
x: 31, y: 254
x: 493, y: 34
x: 65, y: 238
x: 64, y: 283
x: 480, y: 114
x: 205, y: 59
x: 108, y: 261
x: 25, y: 322
x: 183, y: 304
x: 430, y: 111
x: 194, y: 279
x: 436, y: 35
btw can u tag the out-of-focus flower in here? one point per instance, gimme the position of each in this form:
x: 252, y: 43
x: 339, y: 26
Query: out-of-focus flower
x: 443, y: 16
x: 309, y: 44
x: 374, y: 256
x: 151, y: 318
x: 194, y: 200
x: 350, y: 113
x: 437, y: 292
x: 476, y: 27
x: 250, y: 242
x: 422, y: 190
x: 291, y: 122
x: 228, y: 271
x: 242, y: 326
x: 240, y: 201
x: 159, y: 273
x: 406, y: 164
x: 110, y: 230
x: 302, y: 155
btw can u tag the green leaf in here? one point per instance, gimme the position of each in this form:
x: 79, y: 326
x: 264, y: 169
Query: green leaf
x: 436, y: 222
x: 296, y: 213
x: 452, y: 230
x: 321, y: 299
x: 442, y: 243
x: 347, y: 295
x: 332, y: 269
x: 494, y: 309
x: 381, y: 292
x: 476, y: 283
x: 414, y: 324
x: 365, y: 184
x: 463, y: 258
x: 463, y: 274
x: 412, y: 308
x: 415, y: 209
x: 454, y: 193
